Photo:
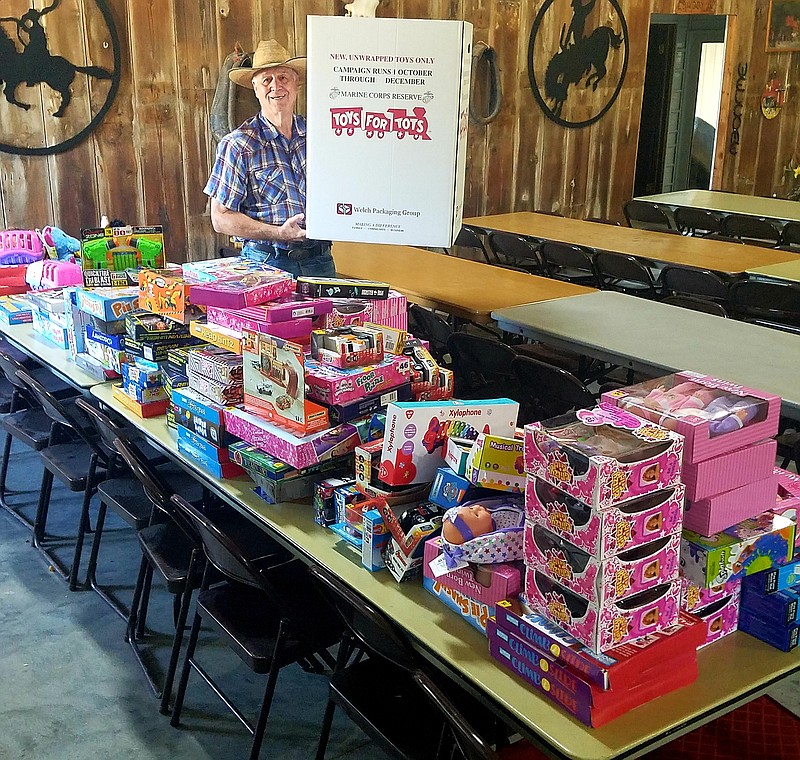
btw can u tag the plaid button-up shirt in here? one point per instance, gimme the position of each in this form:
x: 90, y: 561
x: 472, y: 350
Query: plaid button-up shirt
x: 259, y: 172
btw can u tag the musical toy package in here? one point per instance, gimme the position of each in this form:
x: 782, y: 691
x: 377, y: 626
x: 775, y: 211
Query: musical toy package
x: 485, y: 583
x: 604, y: 533
x: 390, y: 312
x: 753, y: 545
x: 617, y: 669
x: 250, y: 289
x: 603, y: 627
x: 329, y: 385
x: 296, y: 450
x: 714, y: 416
x: 274, y: 385
x: 165, y: 292
x: 413, y: 447
x: 603, y: 456
x: 109, y: 304
x: 108, y: 254
x: 602, y: 580
x: 497, y: 462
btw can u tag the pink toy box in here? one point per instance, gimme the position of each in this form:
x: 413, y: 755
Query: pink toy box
x: 391, y: 312
x: 694, y: 597
x: 729, y: 471
x: 274, y: 384
x: 294, y: 306
x: 249, y: 290
x: 606, y: 580
x: 251, y: 318
x: 717, y: 607
x: 788, y: 500
x: 722, y: 510
x: 603, y: 456
x: 298, y: 451
x: 751, y: 546
x: 715, y: 416
x: 486, y: 583
x: 329, y: 385
x: 588, y: 703
x: 611, y: 531
x: 603, y: 628
x: 48, y: 274
x: 413, y: 446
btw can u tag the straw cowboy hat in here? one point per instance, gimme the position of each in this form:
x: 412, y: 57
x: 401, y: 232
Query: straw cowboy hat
x: 269, y: 54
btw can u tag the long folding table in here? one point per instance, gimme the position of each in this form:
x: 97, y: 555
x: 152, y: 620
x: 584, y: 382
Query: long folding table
x: 777, y: 209
x: 732, y: 671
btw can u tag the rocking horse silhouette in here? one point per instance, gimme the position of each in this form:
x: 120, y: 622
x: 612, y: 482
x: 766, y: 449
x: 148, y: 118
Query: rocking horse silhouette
x: 35, y: 64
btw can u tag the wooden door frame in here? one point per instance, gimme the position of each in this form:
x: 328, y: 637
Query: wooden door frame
x: 729, y: 77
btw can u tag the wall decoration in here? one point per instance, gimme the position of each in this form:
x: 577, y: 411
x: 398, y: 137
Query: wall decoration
x: 576, y: 78
x: 738, y: 108
x: 783, y: 26
x: 27, y: 63
x: 773, y: 97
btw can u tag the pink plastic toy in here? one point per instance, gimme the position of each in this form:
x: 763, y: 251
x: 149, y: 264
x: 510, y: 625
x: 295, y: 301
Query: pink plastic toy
x: 20, y: 247
x: 50, y: 273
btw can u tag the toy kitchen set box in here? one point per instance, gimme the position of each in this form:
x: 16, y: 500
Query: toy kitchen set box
x: 388, y: 103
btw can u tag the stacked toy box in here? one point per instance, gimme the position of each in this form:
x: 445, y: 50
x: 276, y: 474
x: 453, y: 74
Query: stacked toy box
x: 602, y: 539
x: 728, y: 470
x: 49, y: 320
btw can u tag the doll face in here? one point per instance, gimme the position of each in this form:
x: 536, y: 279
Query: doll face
x: 475, y: 517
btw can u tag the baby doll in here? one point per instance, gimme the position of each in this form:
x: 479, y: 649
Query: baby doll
x: 729, y: 413
x: 484, y: 531
x: 683, y: 396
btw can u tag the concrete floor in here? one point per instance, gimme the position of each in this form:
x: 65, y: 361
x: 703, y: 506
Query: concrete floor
x: 70, y: 688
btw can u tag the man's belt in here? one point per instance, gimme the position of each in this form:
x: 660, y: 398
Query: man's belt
x: 296, y: 253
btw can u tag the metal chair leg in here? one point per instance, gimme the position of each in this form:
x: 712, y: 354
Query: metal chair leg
x: 177, y: 708
x: 83, y: 524
x: 269, y: 692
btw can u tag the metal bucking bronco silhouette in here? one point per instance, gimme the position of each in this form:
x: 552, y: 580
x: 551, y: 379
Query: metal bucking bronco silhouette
x: 27, y: 60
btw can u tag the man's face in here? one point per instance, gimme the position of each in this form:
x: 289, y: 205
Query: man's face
x: 276, y: 89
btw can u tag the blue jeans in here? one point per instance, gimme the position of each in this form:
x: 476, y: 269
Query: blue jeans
x: 320, y: 265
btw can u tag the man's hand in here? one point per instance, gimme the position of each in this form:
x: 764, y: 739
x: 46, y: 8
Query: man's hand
x: 291, y: 231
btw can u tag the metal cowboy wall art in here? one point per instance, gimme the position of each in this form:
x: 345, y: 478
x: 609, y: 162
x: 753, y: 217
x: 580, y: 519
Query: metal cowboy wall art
x: 566, y: 82
x: 26, y: 59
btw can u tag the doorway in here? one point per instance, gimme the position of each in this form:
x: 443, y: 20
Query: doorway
x: 681, y: 103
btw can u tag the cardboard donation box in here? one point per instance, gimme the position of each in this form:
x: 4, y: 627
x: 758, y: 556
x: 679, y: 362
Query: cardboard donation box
x: 388, y: 103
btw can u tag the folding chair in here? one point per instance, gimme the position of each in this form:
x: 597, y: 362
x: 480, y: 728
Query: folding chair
x: 570, y: 263
x: 469, y: 237
x: 481, y: 366
x: 696, y: 303
x: 626, y: 274
x: 266, y: 611
x: 516, y: 252
x: 428, y: 325
x: 762, y: 300
x: 754, y: 230
x: 646, y: 216
x: 697, y: 221
x: 548, y: 390
x: 702, y: 283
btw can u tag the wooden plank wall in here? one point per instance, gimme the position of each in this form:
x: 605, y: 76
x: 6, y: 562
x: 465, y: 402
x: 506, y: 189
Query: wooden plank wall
x: 149, y: 159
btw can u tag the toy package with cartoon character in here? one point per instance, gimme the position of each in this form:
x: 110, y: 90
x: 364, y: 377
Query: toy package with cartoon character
x: 164, y: 291
x: 416, y: 433
x: 603, y: 456
x: 714, y: 415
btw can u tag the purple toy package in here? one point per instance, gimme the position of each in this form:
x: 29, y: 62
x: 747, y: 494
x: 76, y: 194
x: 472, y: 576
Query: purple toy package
x: 603, y: 456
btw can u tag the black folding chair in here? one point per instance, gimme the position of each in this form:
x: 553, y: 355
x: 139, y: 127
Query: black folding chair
x: 386, y: 714
x: 626, y: 274
x: 766, y: 301
x: 790, y: 236
x: 548, y: 390
x: 266, y: 611
x: 516, y: 252
x: 428, y: 325
x: 753, y: 230
x: 469, y: 238
x: 125, y: 494
x: 481, y: 366
x: 646, y: 216
x: 696, y: 303
x: 80, y: 464
x: 702, y: 283
x: 697, y: 221
x: 570, y: 263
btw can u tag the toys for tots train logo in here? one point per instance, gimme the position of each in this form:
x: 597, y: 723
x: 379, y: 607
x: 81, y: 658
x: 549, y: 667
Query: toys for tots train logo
x: 60, y: 69
x: 577, y: 59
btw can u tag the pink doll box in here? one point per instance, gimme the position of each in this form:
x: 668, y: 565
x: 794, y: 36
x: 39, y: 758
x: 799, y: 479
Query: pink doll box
x: 329, y: 385
x: 728, y: 471
x: 603, y: 628
x: 295, y: 306
x: 249, y: 290
x: 721, y: 511
x: 605, y: 533
x: 720, y: 617
x: 296, y: 450
x: 413, y: 445
x: 486, y: 583
x: 788, y: 499
x: 751, y: 546
x: 694, y: 597
x: 607, y: 580
x: 715, y: 416
x: 603, y: 456
x: 274, y: 384
x: 391, y: 312
x: 497, y: 462
x: 251, y: 319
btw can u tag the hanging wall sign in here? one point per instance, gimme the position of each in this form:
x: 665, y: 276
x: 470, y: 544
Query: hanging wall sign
x: 43, y: 53
x: 773, y: 97
x: 577, y: 59
x: 738, y: 108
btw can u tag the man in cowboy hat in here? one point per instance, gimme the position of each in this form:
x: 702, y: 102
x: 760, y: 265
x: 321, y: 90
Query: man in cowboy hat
x: 258, y: 183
